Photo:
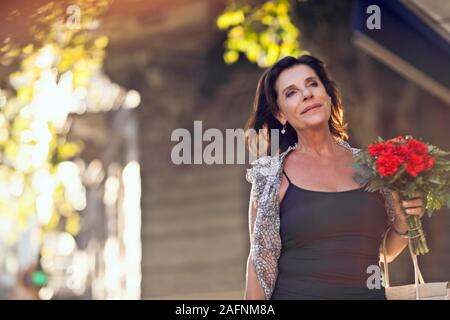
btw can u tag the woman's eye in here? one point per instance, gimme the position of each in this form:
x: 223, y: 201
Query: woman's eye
x: 314, y: 84
x: 290, y: 93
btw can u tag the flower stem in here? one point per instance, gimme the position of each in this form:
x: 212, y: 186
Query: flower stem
x: 416, y: 235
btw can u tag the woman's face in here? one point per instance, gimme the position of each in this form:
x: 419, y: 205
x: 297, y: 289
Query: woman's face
x: 302, y: 98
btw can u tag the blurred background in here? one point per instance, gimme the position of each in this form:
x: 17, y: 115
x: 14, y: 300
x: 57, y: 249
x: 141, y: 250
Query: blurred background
x: 91, y: 204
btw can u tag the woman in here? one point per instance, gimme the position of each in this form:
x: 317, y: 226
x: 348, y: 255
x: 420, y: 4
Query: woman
x: 314, y: 231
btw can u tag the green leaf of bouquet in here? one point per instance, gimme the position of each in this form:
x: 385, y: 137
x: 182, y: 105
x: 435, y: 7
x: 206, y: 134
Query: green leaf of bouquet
x: 419, y: 181
x: 359, y: 178
x: 442, y: 165
x: 436, y: 180
x: 438, y: 152
x: 373, y: 186
x: 397, y: 174
x: 361, y: 169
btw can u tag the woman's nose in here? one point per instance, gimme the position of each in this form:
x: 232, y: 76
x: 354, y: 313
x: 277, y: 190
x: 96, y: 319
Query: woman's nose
x: 307, y: 94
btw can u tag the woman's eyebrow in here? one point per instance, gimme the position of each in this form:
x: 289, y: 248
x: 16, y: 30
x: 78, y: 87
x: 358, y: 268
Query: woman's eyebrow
x: 311, y: 78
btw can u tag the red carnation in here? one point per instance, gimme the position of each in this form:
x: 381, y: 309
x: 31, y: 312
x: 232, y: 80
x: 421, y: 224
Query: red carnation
x: 430, y: 163
x: 393, y: 153
x: 379, y: 148
x: 388, y: 164
x: 418, y: 158
x: 401, y: 151
x: 417, y: 147
x: 415, y: 164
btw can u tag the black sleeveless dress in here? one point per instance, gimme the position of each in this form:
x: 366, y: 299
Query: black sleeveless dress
x: 329, y: 239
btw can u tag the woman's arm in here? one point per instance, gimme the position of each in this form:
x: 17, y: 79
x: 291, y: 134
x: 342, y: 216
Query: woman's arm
x: 253, y: 290
x: 394, y: 244
x: 396, y: 239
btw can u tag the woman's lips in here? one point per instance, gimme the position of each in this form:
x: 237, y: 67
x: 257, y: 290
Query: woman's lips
x: 314, y: 106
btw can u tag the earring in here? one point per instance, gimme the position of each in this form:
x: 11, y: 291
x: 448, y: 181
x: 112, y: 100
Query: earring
x: 283, y: 130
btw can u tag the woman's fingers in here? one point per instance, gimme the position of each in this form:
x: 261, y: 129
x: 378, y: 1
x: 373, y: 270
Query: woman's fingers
x: 415, y: 211
x: 412, y: 203
x: 414, y: 206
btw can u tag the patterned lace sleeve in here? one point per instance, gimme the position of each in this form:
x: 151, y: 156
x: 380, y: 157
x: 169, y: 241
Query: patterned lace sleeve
x: 389, y: 204
x: 266, y: 243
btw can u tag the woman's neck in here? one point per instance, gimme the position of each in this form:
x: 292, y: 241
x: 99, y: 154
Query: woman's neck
x: 317, y: 144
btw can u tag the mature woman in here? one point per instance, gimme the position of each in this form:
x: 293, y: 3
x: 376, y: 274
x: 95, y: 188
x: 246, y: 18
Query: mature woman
x: 314, y: 231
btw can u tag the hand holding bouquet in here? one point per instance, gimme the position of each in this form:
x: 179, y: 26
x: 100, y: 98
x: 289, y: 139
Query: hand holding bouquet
x: 410, y: 167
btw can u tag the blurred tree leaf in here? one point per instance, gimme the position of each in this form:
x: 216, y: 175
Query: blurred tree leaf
x: 264, y: 33
x: 35, y: 142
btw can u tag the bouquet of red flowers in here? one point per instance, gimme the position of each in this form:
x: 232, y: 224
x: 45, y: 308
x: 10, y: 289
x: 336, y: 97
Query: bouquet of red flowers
x: 408, y: 166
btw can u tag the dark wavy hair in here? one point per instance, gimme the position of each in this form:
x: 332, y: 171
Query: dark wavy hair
x: 265, y: 106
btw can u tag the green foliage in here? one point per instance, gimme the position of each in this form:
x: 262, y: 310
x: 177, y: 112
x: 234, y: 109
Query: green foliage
x: 264, y: 33
x: 59, y: 61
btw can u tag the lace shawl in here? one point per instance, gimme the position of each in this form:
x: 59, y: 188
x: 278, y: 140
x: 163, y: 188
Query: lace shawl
x: 265, y: 176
